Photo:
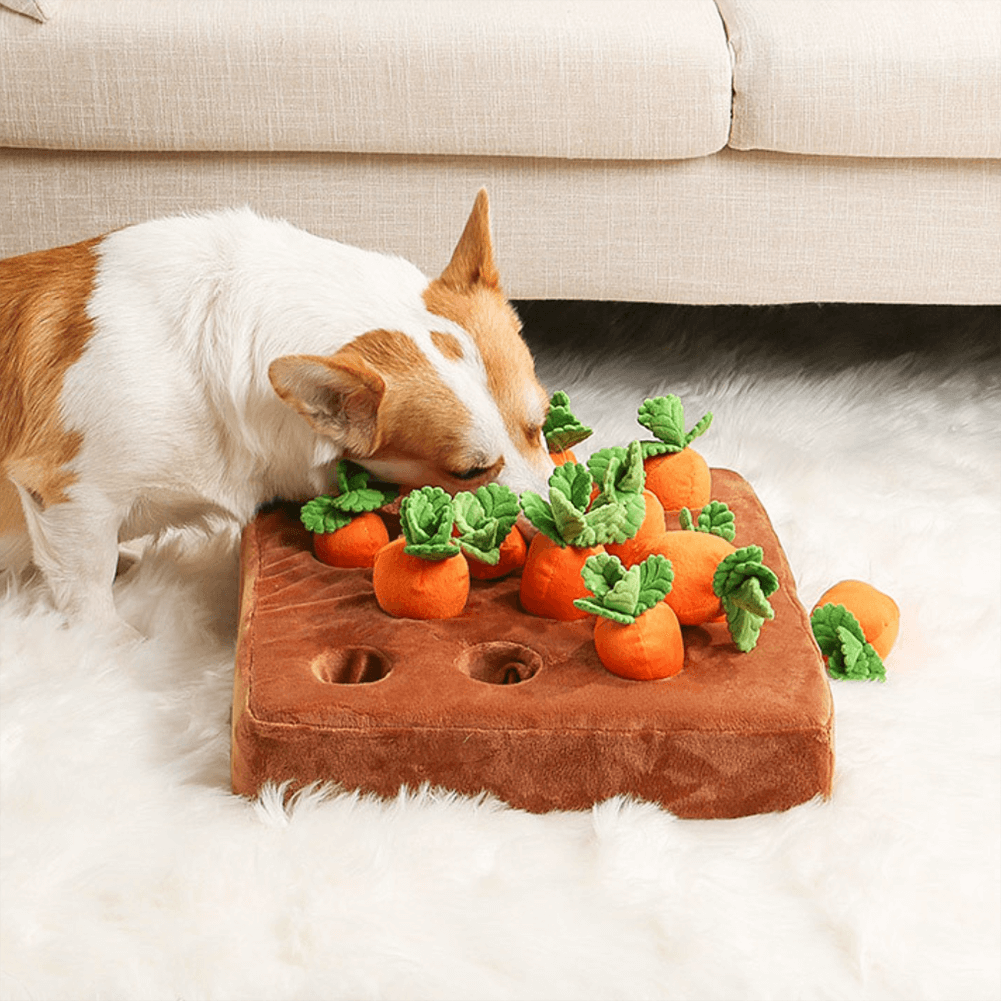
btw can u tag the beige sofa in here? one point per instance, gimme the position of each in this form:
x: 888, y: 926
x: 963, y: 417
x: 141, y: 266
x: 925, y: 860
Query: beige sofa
x: 685, y: 151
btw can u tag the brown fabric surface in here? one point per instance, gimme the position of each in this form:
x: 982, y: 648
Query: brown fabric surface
x: 328, y: 687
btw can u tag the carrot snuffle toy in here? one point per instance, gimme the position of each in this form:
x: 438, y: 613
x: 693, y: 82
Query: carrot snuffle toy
x: 487, y: 534
x: 675, y: 472
x: 571, y: 527
x: 636, y: 634
x: 422, y: 574
x: 562, y: 430
x: 346, y: 530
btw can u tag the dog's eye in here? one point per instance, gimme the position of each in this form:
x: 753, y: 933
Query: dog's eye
x: 472, y: 474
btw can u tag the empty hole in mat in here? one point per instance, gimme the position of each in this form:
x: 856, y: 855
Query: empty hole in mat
x: 500, y: 663
x: 354, y: 665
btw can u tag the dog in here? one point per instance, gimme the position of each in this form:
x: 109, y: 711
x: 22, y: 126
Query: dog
x: 205, y: 365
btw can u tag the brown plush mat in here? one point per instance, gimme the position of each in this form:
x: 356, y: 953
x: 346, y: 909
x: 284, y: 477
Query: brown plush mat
x: 329, y: 687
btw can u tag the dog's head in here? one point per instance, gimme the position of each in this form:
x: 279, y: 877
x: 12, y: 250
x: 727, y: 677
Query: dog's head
x: 453, y: 401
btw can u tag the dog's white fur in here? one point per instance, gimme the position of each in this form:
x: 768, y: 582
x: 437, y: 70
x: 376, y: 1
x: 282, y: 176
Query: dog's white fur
x: 222, y: 370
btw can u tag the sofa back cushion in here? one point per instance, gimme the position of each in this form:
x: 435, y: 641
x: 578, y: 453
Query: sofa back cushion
x: 893, y: 78
x: 633, y: 79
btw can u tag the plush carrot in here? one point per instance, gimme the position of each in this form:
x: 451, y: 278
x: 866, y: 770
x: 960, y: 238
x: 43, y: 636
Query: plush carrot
x: 571, y: 529
x: 877, y: 613
x: 487, y: 534
x: 620, y: 474
x: 346, y: 530
x: 676, y: 473
x: 713, y: 578
x: 422, y: 574
x: 562, y: 430
x: 636, y: 634
x: 848, y: 622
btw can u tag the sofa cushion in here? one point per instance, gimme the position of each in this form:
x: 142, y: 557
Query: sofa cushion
x: 637, y: 79
x: 40, y: 10
x: 894, y: 78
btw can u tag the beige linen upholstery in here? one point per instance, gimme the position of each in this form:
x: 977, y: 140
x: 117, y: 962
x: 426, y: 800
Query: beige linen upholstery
x: 600, y: 128
x: 40, y: 10
x: 892, y: 78
x: 634, y: 79
x: 735, y: 227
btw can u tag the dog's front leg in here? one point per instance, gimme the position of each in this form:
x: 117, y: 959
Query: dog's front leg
x: 75, y: 545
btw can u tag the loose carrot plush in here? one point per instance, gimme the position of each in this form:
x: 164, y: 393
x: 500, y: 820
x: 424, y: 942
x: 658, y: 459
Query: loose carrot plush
x: 848, y: 622
x: 422, y: 574
x: 619, y: 473
x: 676, y: 473
x: 877, y: 613
x: 485, y: 521
x: 346, y: 531
x: 571, y: 528
x: 712, y: 578
x: 636, y: 634
x: 562, y: 430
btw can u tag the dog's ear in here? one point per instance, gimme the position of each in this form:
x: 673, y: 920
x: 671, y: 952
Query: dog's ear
x: 472, y: 260
x: 339, y: 396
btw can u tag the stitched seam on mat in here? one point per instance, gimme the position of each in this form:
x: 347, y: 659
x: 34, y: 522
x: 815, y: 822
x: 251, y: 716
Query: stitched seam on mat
x: 819, y: 729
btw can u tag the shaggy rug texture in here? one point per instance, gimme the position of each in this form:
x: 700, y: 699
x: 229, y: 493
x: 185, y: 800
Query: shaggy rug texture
x: 129, y: 870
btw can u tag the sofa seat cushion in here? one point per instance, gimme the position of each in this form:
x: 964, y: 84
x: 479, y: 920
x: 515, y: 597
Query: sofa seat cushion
x: 637, y: 79
x: 894, y: 78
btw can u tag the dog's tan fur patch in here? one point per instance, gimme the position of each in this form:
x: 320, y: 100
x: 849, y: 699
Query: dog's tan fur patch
x: 409, y: 375
x: 447, y: 344
x: 44, y: 329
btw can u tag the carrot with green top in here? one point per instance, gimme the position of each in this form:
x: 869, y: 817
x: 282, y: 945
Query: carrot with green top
x: 571, y: 528
x: 712, y: 578
x: 346, y: 530
x: 422, y: 574
x: 486, y: 531
x: 636, y: 634
x: 675, y: 472
x: 562, y: 430
x: 855, y: 626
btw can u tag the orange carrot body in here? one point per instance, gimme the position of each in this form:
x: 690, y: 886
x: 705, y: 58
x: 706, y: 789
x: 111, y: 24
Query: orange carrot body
x: 551, y: 580
x: 513, y: 551
x: 694, y: 557
x: 679, y: 479
x: 354, y: 545
x: 648, y: 649
x: 413, y: 588
x: 644, y: 542
x: 877, y: 613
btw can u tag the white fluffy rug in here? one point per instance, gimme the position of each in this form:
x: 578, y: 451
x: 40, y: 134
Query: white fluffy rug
x: 129, y: 871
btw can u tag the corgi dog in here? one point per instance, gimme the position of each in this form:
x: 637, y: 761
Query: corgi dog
x: 204, y: 365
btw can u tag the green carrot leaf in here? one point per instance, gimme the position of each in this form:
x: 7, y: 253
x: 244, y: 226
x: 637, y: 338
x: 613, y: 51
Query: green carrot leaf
x: 655, y: 583
x: 744, y: 583
x: 484, y: 519
x: 601, y: 573
x: 664, y: 417
x: 574, y: 482
x: 843, y: 644
x: 570, y: 521
x: 562, y: 430
x: 717, y: 519
x: 426, y: 518
x: 320, y: 515
x: 540, y: 513
x: 620, y: 594
x: 331, y: 512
